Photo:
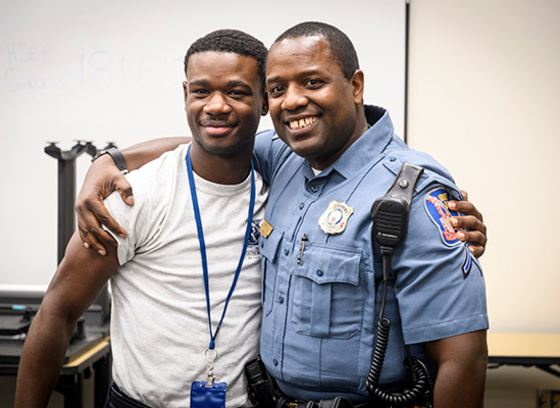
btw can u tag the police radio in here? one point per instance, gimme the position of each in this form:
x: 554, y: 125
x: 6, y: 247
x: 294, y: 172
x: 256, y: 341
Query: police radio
x: 390, y: 221
x: 390, y: 224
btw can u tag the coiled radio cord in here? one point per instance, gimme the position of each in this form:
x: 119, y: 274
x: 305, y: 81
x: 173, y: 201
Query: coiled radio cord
x: 421, y: 390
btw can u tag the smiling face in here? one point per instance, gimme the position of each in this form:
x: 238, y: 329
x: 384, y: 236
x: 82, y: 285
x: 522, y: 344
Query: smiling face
x: 224, y: 102
x: 314, y: 108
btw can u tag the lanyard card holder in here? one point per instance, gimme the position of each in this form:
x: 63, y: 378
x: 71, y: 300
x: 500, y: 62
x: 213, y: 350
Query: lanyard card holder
x: 209, y: 394
x: 203, y: 396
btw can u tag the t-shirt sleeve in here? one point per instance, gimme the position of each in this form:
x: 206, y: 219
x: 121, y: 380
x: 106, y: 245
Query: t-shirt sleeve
x: 439, y: 284
x: 134, y: 219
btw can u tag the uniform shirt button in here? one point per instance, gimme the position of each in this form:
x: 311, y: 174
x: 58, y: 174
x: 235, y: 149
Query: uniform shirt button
x: 280, y: 299
x: 301, y: 206
x: 262, y: 244
x: 275, y: 362
x: 286, y: 252
x: 392, y: 159
x: 319, y: 272
x: 314, y: 189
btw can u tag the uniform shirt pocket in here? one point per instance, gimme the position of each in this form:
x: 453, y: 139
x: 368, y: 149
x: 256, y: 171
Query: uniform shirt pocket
x: 327, y: 300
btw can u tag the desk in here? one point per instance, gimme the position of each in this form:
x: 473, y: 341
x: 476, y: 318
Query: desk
x: 525, y: 349
x: 83, y: 358
x: 96, y: 358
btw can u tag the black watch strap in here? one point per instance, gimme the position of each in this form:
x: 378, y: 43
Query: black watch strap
x: 117, y: 157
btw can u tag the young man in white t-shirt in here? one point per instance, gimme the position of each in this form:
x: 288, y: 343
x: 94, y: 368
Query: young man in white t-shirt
x: 164, y: 315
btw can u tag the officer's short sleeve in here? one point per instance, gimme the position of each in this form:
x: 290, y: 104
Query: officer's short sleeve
x: 439, y: 284
x: 269, y: 152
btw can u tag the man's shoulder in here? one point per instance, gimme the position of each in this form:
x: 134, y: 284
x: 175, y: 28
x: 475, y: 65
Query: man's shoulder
x: 269, y: 153
x: 159, y: 175
x: 433, y: 171
x: 158, y: 170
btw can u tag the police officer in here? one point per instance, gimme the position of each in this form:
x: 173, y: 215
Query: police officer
x: 333, y: 158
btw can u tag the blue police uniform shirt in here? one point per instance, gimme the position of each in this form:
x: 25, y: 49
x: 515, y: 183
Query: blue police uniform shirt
x: 320, y: 298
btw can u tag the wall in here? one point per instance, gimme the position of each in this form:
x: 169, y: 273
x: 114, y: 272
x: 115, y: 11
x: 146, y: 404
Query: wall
x: 484, y: 99
x: 111, y: 71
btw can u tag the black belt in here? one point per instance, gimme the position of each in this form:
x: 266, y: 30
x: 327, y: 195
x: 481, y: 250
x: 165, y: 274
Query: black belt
x: 118, y: 399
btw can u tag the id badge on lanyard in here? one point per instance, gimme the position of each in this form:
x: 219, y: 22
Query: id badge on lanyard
x: 211, y: 394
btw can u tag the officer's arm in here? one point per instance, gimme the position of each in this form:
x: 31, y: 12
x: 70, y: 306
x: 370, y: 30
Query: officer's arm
x: 75, y: 285
x: 102, y: 178
x: 462, y: 362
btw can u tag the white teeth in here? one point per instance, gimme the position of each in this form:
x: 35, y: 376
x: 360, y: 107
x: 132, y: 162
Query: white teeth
x: 299, y: 124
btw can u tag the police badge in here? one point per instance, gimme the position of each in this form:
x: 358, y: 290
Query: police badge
x: 335, y: 218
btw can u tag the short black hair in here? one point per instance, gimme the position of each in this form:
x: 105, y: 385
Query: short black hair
x: 341, y: 47
x: 234, y: 41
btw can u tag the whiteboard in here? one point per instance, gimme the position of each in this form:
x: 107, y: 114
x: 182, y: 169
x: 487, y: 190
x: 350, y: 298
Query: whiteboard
x: 111, y: 71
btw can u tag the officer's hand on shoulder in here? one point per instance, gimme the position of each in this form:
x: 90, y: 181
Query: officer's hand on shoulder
x: 102, y: 178
x: 473, y: 224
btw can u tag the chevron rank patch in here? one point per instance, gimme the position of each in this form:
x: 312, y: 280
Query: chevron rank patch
x: 435, y: 204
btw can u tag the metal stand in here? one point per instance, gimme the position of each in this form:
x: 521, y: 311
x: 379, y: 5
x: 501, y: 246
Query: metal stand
x: 67, y: 188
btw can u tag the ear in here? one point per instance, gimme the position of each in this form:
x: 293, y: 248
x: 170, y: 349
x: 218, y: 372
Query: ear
x: 264, y: 103
x: 185, y: 92
x: 357, y: 82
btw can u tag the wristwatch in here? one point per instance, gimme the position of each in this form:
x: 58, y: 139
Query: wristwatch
x: 117, y: 157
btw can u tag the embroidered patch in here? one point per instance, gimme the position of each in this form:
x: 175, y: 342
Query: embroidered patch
x: 436, y: 207
x: 335, y: 218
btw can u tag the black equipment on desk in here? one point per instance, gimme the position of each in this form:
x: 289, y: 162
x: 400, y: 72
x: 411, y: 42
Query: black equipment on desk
x: 88, y: 352
x: 19, y: 305
x: 14, y: 319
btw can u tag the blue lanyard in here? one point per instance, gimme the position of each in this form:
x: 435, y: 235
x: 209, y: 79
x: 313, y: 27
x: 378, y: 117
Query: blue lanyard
x: 203, y: 246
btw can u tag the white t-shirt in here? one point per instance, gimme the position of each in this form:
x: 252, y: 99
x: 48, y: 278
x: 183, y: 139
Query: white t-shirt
x: 159, y: 322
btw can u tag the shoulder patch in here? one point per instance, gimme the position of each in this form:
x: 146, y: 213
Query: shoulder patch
x: 435, y: 204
